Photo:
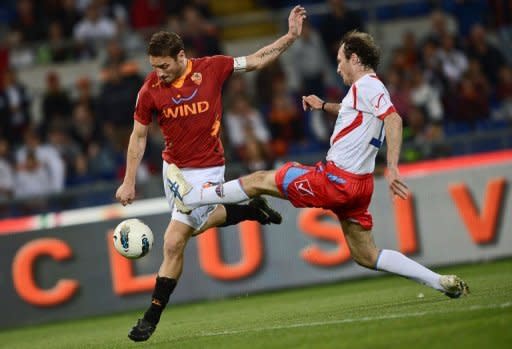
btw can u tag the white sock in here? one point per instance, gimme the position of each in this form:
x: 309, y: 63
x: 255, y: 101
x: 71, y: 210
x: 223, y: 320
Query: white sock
x: 396, y: 263
x: 224, y: 193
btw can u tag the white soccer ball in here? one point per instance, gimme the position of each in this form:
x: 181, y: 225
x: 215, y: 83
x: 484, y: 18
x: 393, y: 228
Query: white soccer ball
x: 132, y: 238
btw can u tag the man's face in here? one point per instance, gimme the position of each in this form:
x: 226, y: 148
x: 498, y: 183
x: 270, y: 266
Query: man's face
x: 344, y: 68
x: 167, y: 68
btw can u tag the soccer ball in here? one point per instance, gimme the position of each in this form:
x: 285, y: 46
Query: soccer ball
x: 132, y: 238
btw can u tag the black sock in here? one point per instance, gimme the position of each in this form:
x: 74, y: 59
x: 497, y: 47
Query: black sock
x: 237, y: 213
x: 163, y: 289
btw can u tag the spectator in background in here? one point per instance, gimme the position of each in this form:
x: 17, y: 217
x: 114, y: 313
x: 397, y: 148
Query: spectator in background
x: 47, y: 158
x: 14, y: 107
x: 440, y: 27
x: 265, y: 78
x: 81, y: 174
x: 470, y: 102
x: 56, y: 49
x: 308, y: 66
x: 84, y: 94
x: 20, y: 55
x: 489, y: 57
x: 56, y: 103
x: 399, y: 92
x: 425, y: 97
x: 68, y: 16
x: 84, y: 128
x: 32, y: 180
x: 92, y: 30
x: 409, y: 50
x: 115, y: 102
x: 27, y: 23
x: 285, y: 118
x: 248, y: 134
x: 114, y: 54
x: 504, y: 92
x: 430, y: 64
x: 147, y: 14
x: 236, y: 85
x: 501, y: 17
x: 453, y: 62
x: 338, y: 21
x: 66, y: 147
x: 420, y: 136
x: 6, y: 174
x: 198, y: 34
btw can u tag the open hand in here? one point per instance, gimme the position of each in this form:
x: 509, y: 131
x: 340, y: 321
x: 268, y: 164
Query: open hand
x: 295, y: 20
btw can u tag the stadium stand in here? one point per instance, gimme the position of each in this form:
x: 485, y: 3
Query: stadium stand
x: 448, y: 108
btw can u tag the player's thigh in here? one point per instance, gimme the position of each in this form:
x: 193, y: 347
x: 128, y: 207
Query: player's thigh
x: 360, y: 241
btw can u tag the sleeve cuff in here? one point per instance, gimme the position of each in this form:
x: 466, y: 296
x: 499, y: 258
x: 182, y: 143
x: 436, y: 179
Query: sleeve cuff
x: 389, y: 111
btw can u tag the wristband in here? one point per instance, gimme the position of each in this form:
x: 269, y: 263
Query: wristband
x: 323, y: 105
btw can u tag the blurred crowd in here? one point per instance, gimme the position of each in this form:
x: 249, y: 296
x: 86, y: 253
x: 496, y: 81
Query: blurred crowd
x: 457, y: 78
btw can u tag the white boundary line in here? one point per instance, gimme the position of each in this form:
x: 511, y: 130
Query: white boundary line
x: 352, y: 320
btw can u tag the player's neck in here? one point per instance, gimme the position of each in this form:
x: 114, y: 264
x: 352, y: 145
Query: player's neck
x: 184, y: 68
x: 360, y: 73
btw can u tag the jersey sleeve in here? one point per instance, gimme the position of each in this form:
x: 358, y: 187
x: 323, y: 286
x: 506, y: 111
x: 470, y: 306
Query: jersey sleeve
x: 376, y: 98
x: 223, y: 66
x: 144, y: 106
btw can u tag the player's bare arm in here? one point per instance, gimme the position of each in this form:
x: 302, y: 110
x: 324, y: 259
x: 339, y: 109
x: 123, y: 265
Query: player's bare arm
x: 268, y: 54
x: 313, y: 102
x: 393, y: 127
x: 125, y: 194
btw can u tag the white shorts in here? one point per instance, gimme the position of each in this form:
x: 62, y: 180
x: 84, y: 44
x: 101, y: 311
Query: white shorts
x: 197, y: 177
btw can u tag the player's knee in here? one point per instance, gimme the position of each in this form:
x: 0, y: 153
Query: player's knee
x: 174, y: 245
x: 256, y: 183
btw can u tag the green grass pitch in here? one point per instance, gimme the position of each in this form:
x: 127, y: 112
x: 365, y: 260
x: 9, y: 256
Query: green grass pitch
x: 383, y: 312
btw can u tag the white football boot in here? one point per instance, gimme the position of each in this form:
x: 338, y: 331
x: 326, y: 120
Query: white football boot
x: 179, y: 187
x: 454, y: 286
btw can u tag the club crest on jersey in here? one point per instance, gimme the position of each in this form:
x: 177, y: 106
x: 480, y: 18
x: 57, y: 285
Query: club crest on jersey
x: 304, y: 188
x: 197, y: 78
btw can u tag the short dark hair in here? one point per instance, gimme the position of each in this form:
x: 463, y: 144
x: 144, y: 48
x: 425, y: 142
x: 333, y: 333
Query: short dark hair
x: 165, y: 44
x: 363, y: 45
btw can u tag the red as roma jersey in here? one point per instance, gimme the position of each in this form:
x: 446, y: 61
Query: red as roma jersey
x: 189, y: 111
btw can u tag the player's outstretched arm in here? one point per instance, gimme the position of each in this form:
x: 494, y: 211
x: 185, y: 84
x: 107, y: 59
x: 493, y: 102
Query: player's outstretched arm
x: 268, y: 54
x: 393, y: 127
x: 313, y: 102
x: 125, y: 194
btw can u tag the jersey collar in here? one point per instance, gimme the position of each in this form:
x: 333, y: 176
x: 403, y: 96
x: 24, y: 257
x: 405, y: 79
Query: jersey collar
x: 179, y: 81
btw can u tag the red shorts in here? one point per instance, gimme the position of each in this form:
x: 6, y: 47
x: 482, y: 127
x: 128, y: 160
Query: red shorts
x: 327, y: 186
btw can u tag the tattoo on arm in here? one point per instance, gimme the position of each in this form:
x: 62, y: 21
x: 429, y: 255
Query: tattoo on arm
x: 275, y: 50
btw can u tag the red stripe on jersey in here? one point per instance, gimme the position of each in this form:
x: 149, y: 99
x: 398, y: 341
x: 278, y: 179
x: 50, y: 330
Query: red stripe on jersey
x: 357, y: 121
x: 387, y: 112
x: 354, y: 92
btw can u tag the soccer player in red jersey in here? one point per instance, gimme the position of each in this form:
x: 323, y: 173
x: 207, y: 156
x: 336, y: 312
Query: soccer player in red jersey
x: 184, y: 94
x: 344, y: 183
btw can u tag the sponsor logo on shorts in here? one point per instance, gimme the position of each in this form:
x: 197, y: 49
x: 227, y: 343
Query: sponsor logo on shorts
x: 304, y: 188
x: 219, y: 190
